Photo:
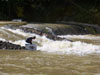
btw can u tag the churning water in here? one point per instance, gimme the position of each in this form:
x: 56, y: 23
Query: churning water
x: 62, y: 47
x: 52, y: 57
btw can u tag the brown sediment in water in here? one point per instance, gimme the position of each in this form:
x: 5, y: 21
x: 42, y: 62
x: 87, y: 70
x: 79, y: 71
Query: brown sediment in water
x: 12, y: 22
x: 39, y: 63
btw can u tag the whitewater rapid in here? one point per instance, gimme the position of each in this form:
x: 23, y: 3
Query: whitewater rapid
x: 61, y: 47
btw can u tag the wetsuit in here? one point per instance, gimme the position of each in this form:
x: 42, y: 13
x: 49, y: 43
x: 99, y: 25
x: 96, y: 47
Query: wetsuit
x: 30, y: 46
x: 29, y: 40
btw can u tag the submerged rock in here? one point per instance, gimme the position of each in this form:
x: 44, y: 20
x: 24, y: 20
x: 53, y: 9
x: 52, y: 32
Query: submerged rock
x: 50, y: 36
x: 38, y: 32
x: 8, y: 45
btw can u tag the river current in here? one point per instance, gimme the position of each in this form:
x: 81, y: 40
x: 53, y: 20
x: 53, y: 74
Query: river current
x: 80, y: 57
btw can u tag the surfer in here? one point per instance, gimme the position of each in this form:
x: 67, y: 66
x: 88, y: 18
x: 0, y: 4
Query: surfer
x: 30, y: 45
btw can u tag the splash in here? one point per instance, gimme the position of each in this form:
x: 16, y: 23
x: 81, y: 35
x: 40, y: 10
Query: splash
x: 1, y: 39
x: 80, y: 37
x: 62, y: 47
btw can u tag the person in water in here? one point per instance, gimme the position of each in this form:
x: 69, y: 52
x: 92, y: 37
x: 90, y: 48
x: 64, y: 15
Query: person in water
x: 30, y: 45
x: 29, y: 40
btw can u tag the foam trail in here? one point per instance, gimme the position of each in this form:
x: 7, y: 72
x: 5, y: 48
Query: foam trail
x: 80, y: 37
x: 62, y: 47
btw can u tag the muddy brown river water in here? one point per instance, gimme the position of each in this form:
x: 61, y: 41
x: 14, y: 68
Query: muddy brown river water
x: 80, y: 57
x: 42, y: 63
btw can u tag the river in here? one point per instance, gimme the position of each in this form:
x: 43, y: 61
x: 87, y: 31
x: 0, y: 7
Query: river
x: 80, y: 57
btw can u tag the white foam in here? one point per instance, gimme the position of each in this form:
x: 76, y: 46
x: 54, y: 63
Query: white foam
x: 67, y: 47
x: 18, y: 31
x: 80, y: 37
x: 2, y: 39
x: 63, y: 47
x: 20, y: 42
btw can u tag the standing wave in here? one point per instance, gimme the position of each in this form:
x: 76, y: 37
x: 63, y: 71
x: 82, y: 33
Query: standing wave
x: 62, y: 47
